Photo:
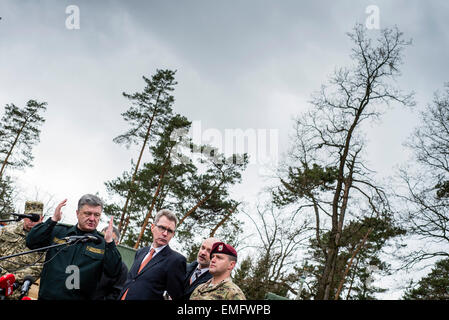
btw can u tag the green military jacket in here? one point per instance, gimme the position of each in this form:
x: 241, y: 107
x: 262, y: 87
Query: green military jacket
x: 12, y: 241
x: 72, y: 272
x: 225, y: 290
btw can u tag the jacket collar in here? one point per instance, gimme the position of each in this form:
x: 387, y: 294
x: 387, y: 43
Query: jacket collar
x: 74, y: 230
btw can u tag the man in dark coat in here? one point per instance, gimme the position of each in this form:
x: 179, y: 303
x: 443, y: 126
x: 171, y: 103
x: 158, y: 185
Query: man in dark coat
x: 158, y: 271
x: 198, y: 271
x: 109, y: 288
x: 72, y: 272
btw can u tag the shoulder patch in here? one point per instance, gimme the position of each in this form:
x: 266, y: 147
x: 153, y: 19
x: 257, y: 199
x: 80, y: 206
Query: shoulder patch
x: 58, y: 241
x: 95, y: 250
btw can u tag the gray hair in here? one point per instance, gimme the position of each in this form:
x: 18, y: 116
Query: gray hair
x: 114, y: 230
x: 166, y: 213
x: 90, y: 200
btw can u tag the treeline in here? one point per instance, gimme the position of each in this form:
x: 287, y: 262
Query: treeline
x: 325, y: 228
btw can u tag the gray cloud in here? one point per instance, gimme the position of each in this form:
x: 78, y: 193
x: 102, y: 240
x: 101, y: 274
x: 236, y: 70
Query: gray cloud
x: 241, y: 64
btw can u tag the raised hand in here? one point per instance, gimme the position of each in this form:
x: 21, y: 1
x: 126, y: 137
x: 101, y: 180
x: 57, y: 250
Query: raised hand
x: 57, y: 216
x: 108, y: 234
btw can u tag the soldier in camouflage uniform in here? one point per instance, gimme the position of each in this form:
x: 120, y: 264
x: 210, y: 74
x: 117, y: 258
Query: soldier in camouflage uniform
x: 12, y: 241
x: 220, y: 287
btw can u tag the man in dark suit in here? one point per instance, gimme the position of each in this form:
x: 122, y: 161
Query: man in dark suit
x: 198, y: 271
x: 157, y: 268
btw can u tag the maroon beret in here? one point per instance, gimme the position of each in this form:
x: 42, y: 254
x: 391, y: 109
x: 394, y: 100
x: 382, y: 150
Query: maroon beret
x: 221, y: 247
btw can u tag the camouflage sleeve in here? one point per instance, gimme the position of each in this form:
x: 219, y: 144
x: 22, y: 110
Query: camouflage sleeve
x: 2, y: 248
x: 235, y: 294
x: 2, y: 230
x: 22, y: 265
x: 33, y: 270
x: 195, y: 293
x: 8, y: 244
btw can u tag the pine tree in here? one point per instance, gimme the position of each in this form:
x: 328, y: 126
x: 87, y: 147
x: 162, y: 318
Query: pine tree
x: 361, y: 246
x: 7, y: 195
x: 194, y: 187
x: 434, y: 286
x: 19, y: 132
x: 149, y: 111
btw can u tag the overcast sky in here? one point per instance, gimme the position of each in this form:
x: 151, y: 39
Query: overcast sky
x: 249, y: 64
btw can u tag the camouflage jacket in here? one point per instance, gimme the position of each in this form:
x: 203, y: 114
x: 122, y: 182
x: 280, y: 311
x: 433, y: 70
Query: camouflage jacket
x: 225, y: 290
x: 12, y: 241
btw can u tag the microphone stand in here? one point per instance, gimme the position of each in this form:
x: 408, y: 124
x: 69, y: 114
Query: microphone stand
x: 68, y: 242
x: 18, y: 218
x: 10, y: 220
x: 39, y: 249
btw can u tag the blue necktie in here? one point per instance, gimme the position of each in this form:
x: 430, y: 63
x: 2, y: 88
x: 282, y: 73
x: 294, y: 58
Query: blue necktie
x: 195, y: 275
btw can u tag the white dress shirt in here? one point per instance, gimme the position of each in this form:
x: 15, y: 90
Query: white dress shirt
x: 156, y: 251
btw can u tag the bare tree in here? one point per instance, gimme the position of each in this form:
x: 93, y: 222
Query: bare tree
x: 328, y: 171
x: 278, y: 243
x: 426, y: 197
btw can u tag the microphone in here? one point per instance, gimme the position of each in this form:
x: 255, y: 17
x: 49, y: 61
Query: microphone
x: 85, y: 238
x: 32, y: 216
x: 7, y: 284
x: 27, y: 282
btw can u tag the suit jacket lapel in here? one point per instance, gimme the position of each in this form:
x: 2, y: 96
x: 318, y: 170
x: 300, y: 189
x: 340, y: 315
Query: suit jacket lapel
x: 137, y: 263
x: 189, y: 273
x: 204, y: 274
x: 201, y: 277
x: 156, y: 259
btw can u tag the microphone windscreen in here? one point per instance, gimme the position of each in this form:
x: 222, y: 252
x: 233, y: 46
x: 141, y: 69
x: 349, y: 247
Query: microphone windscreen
x: 7, y: 280
x: 28, y: 277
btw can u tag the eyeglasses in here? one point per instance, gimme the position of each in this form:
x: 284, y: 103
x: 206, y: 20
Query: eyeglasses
x: 162, y: 228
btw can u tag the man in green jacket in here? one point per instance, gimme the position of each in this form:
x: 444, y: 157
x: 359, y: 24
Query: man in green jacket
x: 71, y: 272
